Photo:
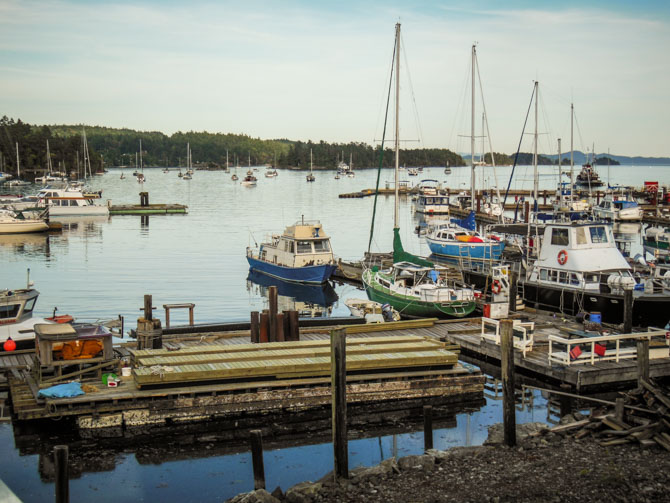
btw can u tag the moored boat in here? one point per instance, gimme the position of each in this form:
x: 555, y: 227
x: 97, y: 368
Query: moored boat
x: 300, y: 254
x: 16, y: 223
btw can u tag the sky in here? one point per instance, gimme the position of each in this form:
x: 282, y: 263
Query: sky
x: 319, y: 70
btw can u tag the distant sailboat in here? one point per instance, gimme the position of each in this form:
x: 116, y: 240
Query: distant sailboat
x: 310, y: 177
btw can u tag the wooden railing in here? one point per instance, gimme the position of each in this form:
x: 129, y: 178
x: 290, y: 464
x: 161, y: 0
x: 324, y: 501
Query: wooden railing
x: 597, y: 349
x: 524, y: 333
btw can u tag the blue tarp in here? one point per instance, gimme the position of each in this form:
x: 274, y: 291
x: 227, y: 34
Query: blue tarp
x: 62, y: 391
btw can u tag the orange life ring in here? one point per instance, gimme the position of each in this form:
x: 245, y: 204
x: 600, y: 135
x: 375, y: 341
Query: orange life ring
x: 496, y: 287
x: 562, y: 257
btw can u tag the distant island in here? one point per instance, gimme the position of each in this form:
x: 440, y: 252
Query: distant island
x: 120, y: 147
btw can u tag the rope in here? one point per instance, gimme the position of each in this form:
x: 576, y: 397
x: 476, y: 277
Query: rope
x: 160, y: 370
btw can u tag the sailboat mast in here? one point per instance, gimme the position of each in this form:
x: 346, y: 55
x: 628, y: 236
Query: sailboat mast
x: 560, y: 172
x: 535, y: 178
x: 18, y: 164
x: 397, y: 122
x: 572, y: 148
x: 310, y: 161
x: 48, y: 158
x: 141, y: 165
x: 472, y: 133
x: 226, y: 158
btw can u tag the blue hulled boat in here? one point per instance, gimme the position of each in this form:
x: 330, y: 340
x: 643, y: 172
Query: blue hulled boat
x: 302, y: 254
x: 458, y: 239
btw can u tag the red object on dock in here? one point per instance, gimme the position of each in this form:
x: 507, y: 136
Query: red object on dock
x: 9, y: 345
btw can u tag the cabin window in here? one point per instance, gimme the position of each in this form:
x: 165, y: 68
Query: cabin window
x: 559, y: 237
x: 598, y: 234
x: 591, y: 278
x: 30, y: 305
x: 544, y: 276
x: 581, y: 235
x: 291, y: 246
x: 10, y: 311
x: 562, y: 277
x: 553, y: 276
x: 304, y: 247
x: 574, y: 279
x: 73, y: 202
x: 321, y: 246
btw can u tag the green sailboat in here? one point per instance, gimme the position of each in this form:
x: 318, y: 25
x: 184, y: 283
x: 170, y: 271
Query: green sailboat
x: 415, y: 287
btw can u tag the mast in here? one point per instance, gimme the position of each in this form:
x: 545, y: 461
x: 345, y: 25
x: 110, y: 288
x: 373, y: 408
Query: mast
x: 141, y: 165
x: 472, y: 133
x: 18, y: 164
x: 48, y: 158
x: 397, y: 122
x: 535, y: 179
x: 351, y: 164
x: 560, y: 172
x: 226, y: 158
x: 310, y: 161
x: 572, y: 149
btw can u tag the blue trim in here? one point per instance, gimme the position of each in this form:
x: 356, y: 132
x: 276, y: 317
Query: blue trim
x: 468, y: 250
x: 307, y: 274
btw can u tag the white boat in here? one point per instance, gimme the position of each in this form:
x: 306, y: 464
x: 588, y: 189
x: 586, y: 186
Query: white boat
x: 372, y: 311
x: 657, y: 243
x: 413, y: 172
x: 617, y: 209
x: 430, y: 201
x: 234, y: 177
x: 15, y: 223
x: 69, y: 202
x: 17, y: 182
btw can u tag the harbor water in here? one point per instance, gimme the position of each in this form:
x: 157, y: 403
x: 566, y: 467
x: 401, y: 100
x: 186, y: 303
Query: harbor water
x: 101, y: 268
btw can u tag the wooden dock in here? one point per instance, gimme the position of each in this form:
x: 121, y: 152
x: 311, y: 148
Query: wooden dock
x: 150, y: 209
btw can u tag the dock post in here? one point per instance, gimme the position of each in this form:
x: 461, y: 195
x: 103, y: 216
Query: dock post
x: 272, y: 304
x: 257, y: 459
x: 255, y: 330
x: 627, y: 311
x: 294, y: 323
x: 642, y: 361
x: 280, y: 327
x: 286, y: 320
x: 526, y: 211
x: 338, y: 366
x: 513, y: 282
x: 148, y: 311
x: 565, y: 401
x: 265, y: 322
x: 62, y: 474
x: 507, y: 367
x: 618, y: 409
x: 427, y: 427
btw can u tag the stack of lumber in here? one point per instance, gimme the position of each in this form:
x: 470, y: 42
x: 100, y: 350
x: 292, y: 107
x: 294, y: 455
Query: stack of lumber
x: 643, y: 417
x: 287, y: 360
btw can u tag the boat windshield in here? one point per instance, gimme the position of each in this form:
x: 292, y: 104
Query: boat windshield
x: 30, y: 304
x: 598, y: 234
x: 321, y: 246
x: 304, y: 247
x: 9, y: 311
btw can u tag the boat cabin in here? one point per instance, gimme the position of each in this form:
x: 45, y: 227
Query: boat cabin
x: 301, y: 244
x: 581, y: 256
x: 17, y: 305
x: 430, y: 200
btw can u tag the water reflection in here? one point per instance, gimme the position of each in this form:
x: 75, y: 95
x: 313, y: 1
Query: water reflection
x: 308, y: 300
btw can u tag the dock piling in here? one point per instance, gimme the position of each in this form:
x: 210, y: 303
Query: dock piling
x: 507, y: 367
x: 294, y: 324
x: 255, y: 327
x: 627, y: 311
x: 148, y: 308
x: 338, y: 365
x: 62, y: 474
x: 272, y: 305
x: 427, y: 427
x: 280, y: 328
x: 618, y: 409
x: 513, y: 281
x: 265, y: 326
x: 642, y: 361
x: 256, y: 441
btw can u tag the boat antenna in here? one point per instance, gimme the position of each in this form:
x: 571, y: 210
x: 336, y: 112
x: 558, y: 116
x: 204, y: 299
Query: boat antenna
x: 252, y: 236
x: 28, y: 278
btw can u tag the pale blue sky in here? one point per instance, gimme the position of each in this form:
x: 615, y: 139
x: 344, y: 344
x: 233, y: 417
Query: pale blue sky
x: 318, y: 70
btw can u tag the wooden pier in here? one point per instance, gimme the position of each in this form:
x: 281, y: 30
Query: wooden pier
x: 144, y: 208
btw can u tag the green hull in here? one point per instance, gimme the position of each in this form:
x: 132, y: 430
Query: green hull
x: 415, y: 308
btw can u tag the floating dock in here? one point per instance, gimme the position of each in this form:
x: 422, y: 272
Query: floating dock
x: 150, y: 209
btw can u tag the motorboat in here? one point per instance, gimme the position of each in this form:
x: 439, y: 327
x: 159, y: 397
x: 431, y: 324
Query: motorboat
x: 429, y: 200
x: 301, y: 254
x: 413, y: 172
x: 656, y: 242
x: 588, y: 176
x: 372, y: 311
x: 12, y: 222
x: 249, y: 180
x: 271, y: 173
x: 70, y: 202
x: 616, y: 209
x: 458, y: 239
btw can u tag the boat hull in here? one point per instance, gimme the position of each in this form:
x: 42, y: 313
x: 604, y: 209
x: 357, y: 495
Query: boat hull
x: 411, y: 307
x: 467, y: 250
x: 309, y: 274
x: 23, y: 227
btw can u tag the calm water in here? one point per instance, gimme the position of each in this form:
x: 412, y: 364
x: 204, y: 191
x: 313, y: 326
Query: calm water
x: 101, y: 268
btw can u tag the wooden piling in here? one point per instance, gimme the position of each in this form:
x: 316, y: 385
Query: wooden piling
x: 642, y: 361
x: 627, y: 311
x: 148, y: 308
x: 255, y: 330
x: 62, y: 474
x: 526, y: 211
x: 272, y: 304
x: 513, y: 288
x: 507, y: 367
x: 618, y: 409
x: 265, y: 326
x: 427, y: 427
x: 256, y: 440
x: 280, y: 327
x: 565, y: 400
x: 338, y: 365
x: 286, y: 320
x: 294, y: 323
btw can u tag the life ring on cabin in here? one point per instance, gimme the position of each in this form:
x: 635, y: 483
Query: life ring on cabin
x: 562, y: 257
x: 496, y: 287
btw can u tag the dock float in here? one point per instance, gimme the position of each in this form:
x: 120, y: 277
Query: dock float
x: 151, y: 209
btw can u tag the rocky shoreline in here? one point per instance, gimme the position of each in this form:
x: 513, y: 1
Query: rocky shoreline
x: 544, y: 466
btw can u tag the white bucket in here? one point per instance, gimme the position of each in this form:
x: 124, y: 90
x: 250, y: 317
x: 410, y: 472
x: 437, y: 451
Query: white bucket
x: 125, y: 371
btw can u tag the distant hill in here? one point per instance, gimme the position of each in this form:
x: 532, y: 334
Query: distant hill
x: 580, y: 158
